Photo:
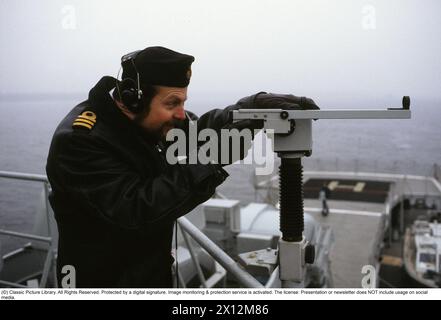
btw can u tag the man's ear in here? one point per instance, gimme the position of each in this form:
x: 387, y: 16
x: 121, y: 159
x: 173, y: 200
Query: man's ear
x: 124, y: 110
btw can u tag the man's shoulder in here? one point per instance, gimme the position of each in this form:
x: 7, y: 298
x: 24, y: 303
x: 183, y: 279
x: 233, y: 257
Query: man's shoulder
x: 65, y: 124
x: 81, y: 120
x: 79, y: 126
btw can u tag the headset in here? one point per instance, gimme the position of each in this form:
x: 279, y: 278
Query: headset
x: 129, y: 90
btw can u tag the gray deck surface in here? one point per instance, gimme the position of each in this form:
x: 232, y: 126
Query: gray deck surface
x: 359, y: 234
x: 357, y: 239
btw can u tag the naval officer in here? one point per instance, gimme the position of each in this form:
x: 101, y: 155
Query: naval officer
x: 114, y: 194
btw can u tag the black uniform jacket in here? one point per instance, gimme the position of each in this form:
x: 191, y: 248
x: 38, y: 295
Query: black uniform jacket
x: 116, y: 198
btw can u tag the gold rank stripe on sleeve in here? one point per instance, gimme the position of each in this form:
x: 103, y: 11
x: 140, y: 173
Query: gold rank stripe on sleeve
x: 82, y: 124
x: 79, y: 119
x: 87, y: 119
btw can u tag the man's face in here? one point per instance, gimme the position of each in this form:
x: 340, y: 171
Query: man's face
x: 166, y: 108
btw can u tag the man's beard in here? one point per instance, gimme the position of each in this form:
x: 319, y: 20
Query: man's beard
x: 158, y: 134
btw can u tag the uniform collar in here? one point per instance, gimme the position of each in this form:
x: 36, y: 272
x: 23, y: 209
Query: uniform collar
x: 106, y: 108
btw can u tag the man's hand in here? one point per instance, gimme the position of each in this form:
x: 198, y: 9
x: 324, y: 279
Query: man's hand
x: 264, y: 100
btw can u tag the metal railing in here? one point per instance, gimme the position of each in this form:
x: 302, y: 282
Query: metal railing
x: 219, y: 255
x: 243, y: 277
x: 51, y: 255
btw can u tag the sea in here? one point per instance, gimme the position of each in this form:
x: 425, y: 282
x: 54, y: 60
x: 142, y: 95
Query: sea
x: 402, y: 146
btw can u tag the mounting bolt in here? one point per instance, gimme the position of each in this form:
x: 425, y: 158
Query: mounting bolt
x: 284, y: 115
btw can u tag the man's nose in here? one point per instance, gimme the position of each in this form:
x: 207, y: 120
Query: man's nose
x: 180, y: 113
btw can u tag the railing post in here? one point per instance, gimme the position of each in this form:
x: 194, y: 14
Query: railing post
x: 46, y: 206
x: 194, y: 257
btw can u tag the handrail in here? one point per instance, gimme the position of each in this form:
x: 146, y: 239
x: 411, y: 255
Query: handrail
x: 195, y: 259
x: 25, y: 236
x: 50, y: 257
x: 219, y: 255
x: 273, y: 278
x: 23, y: 176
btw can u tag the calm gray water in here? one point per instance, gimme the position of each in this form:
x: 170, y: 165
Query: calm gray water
x: 398, y: 146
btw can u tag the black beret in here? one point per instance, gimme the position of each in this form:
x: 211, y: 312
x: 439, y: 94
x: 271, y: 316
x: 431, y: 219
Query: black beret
x: 158, y: 66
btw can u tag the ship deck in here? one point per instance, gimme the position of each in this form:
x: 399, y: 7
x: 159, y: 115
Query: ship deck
x: 360, y: 219
x: 358, y: 235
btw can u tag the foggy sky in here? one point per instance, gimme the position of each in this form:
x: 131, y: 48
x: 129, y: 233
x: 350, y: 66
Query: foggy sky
x: 319, y: 48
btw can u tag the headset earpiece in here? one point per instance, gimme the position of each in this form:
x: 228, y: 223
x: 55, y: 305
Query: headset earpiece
x: 131, y: 97
x: 130, y: 90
